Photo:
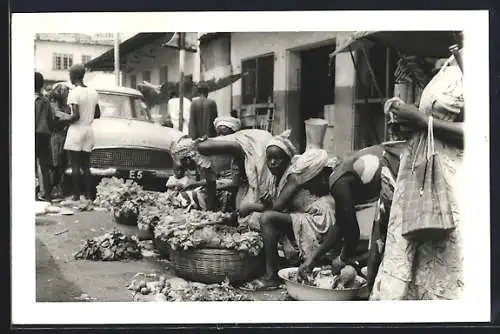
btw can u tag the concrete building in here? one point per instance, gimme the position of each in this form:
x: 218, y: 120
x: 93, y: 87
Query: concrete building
x: 142, y: 58
x: 56, y: 53
x: 291, y: 78
x: 292, y: 74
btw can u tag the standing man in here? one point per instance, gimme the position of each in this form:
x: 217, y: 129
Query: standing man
x: 203, y: 113
x: 43, y: 127
x: 173, y: 112
x: 83, y: 102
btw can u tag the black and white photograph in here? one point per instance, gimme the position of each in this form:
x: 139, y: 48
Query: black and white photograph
x: 328, y: 166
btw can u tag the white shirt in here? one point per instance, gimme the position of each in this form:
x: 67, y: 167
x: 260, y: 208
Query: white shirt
x: 173, y: 111
x: 86, y: 98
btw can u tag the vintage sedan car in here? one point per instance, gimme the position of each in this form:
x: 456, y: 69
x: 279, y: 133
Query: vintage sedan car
x: 128, y: 143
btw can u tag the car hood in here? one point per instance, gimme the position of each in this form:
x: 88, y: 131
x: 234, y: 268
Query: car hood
x: 116, y: 132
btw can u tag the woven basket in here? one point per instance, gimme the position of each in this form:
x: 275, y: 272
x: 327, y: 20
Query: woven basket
x: 129, y: 220
x: 162, y: 247
x: 208, y: 265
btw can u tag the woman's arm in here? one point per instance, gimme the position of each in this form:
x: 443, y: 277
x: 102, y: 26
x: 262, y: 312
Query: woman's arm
x: 281, y: 203
x: 445, y: 130
x: 220, y: 147
x: 195, y: 184
x: 291, y: 188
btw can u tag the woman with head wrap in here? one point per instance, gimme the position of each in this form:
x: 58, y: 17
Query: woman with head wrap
x: 59, y: 97
x: 251, y: 178
x: 227, y: 125
x: 299, y: 207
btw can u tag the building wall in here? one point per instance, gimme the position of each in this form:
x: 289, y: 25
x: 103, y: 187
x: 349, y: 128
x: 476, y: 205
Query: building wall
x: 286, y: 47
x: 216, y: 63
x: 44, y: 53
x: 137, y: 63
x: 161, y: 57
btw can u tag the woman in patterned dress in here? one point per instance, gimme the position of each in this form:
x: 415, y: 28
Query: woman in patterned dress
x: 301, y: 209
x: 431, y: 269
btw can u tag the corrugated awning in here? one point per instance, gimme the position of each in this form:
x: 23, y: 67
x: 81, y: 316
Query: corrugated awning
x: 433, y: 44
x: 105, y: 62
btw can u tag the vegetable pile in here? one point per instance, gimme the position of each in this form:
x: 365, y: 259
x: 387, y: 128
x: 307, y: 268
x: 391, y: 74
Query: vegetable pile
x: 123, y: 198
x: 112, y: 246
x: 204, y: 229
x: 181, y: 291
x: 324, y: 278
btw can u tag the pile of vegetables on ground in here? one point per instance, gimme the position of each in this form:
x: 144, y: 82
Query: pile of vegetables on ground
x: 204, y: 229
x: 179, y: 290
x: 119, y: 197
x: 325, y: 279
x: 112, y: 246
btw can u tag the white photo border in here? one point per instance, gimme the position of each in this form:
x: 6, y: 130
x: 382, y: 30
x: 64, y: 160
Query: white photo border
x: 474, y: 307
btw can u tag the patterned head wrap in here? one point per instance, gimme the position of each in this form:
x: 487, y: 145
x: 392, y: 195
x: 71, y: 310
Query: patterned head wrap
x: 282, y: 141
x: 60, y: 91
x: 187, y: 148
x: 231, y: 122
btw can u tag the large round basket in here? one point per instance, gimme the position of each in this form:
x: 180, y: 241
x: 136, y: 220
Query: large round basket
x: 209, y: 265
x: 162, y: 247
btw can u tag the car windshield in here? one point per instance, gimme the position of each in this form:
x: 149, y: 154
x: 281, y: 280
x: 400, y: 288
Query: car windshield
x: 123, y: 106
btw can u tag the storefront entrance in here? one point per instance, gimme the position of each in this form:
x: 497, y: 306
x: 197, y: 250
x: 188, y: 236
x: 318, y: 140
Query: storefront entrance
x: 317, y: 86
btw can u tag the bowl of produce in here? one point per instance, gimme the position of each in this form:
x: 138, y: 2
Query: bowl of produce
x: 323, y: 285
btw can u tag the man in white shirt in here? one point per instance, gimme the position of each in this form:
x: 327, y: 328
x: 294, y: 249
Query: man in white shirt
x: 173, y: 112
x: 79, y: 142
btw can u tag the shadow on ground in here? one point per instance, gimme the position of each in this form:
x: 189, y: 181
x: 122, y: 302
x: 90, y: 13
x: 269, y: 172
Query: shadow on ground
x: 51, y: 286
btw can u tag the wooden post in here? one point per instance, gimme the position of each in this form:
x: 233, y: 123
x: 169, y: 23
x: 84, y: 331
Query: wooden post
x: 181, y: 79
x: 117, y: 59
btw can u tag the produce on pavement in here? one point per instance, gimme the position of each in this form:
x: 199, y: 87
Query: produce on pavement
x: 179, y: 290
x: 112, y: 246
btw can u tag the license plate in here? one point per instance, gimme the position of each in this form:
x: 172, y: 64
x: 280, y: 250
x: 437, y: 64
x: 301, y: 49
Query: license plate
x: 136, y: 174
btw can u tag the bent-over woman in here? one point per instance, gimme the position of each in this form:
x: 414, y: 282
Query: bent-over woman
x: 247, y: 148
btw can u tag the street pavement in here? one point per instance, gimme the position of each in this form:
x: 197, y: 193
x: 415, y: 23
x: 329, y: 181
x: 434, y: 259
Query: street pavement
x: 61, y: 278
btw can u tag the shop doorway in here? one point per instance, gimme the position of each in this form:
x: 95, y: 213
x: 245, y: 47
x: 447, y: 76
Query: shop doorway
x: 317, y: 86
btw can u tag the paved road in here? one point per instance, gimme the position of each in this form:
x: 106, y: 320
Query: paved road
x: 60, y: 278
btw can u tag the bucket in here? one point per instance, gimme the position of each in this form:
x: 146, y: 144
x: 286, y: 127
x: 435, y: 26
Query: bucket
x: 315, y: 132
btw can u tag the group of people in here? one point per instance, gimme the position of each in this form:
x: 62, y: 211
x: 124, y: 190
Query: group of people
x: 63, y: 129
x: 303, y: 204
x: 306, y: 203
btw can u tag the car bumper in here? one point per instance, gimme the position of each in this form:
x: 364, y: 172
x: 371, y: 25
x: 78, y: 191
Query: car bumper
x: 110, y: 172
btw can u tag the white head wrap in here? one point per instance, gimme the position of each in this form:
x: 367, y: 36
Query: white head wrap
x: 282, y: 141
x: 231, y: 122
x: 305, y: 166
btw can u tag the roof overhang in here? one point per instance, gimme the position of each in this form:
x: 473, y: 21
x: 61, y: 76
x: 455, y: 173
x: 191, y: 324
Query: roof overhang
x: 432, y: 44
x: 105, y: 62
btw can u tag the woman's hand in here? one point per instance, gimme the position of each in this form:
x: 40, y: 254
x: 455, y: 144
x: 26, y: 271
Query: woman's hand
x: 392, y: 103
x: 405, y: 113
x: 410, y: 115
x: 305, y: 269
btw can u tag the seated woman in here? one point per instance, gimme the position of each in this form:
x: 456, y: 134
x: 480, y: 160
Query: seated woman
x: 250, y: 174
x: 302, y: 208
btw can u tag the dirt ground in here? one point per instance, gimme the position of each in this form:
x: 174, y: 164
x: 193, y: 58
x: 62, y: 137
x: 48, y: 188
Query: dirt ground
x: 60, y: 278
